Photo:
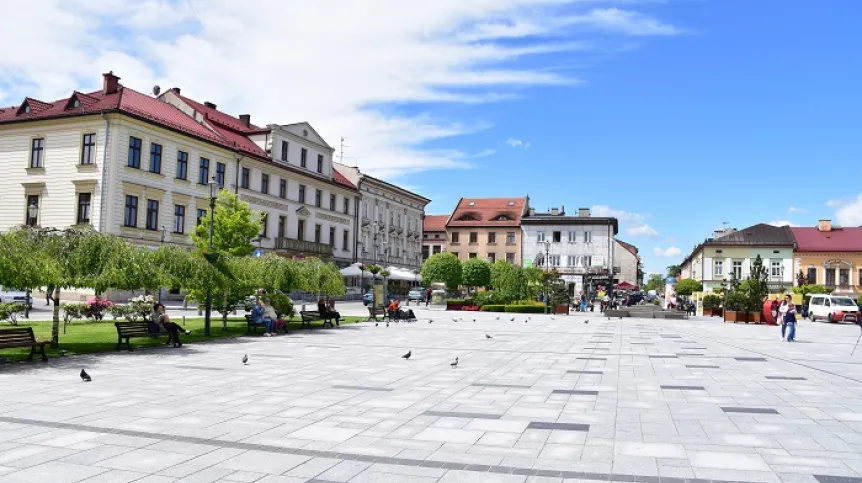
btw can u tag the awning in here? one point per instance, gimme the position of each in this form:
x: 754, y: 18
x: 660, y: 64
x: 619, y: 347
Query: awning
x: 396, y: 273
x: 626, y: 286
x: 351, y: 271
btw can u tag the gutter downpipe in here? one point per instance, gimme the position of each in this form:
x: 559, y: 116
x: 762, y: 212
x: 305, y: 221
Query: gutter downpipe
x: 102, y: 208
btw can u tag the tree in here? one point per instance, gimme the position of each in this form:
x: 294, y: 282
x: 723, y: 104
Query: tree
x: 687, y: 286
x: 674, y: 271
x: 758, y: 287
x: 442, y: 267
x: 807, y: 290
x: 655, y: 282
x: 507, y: 280
x: 476, y: 273
x: 235, y: 227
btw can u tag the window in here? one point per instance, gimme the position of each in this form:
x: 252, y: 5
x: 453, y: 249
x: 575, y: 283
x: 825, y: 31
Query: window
x: 844, y: 277
x: 436, y: 249
x: 492, y: 237
x: 84, y: 202
x: 302, y: 193
x: 775, y: 268
x: 179, y: 219
x: 572, y: 261
x: 134, y: 152
x: 345, y: 241
x: 425, y: 254
x: 319, y: 163
x: 152, y: 215
x: 588, y: 237
x: 317, y: 235
x: 718, y: 268
x: 318, y: 198
x: 573, y: 236
x: 510, y: 238
x: 510, y: 257
x: 346, y: 207
x: 264, y: 222
x: 474, y: 237
x: 182, y: 165
x: 282, y: 223
x: 155, y: 158
x: 332, y: 236
x: 471, y: 255
x: 737, y: 269
x: 130, y: 216
x: 830, y: 277
x: 554, y: 260
x: 303, y: 158
x: 284, y: 146
x: 492, y: 257
x: 204, y: 173
x: 202, y: 214
x: 587, y: 261
x: 332, y: 202
x: 300, y: 230
x: 557, y: 237
x: 221, y: 171
x: 32, y: 200
x: 88, y: 149
x: 540, y: 236
x: 244, y: 178
x: 264, y: 183
x: 282, y: 188
x: 455, y: 237
x: 859, y: 280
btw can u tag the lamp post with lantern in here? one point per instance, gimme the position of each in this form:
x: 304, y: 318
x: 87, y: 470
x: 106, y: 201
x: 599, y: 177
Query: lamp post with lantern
x: 211, y: 255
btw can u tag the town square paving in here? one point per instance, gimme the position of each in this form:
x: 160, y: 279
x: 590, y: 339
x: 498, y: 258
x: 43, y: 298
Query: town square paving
x: 568, y: 398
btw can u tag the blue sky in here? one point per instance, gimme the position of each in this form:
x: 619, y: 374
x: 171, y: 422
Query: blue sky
x: 673, y: 115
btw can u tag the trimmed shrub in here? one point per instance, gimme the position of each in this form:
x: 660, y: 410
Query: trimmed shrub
x: 493, y: 308
x: 525, y: 309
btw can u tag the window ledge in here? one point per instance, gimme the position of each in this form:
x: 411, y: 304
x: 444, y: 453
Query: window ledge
x: 35, y: 170
x: 182, y: 180
x: 86, y: 168
x: 131, y: 167
x: 155, y: 175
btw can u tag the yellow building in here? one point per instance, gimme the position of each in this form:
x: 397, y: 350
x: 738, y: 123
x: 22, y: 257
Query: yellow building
x: 829, y: 255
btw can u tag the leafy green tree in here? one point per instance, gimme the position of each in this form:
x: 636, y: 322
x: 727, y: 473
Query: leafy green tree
x: 476, y: 272
x: 758, y: 286
x: 655, y: 282
x: 558, y: 290
x: 235, y: 227
x: 318, y: 277
x: 807, y: 290
x: 442, y: 267
x: 674, y: 271
x: 507, y: 280
x: 687, y: 286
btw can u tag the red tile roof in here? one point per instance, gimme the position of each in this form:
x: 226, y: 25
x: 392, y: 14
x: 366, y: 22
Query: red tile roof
x: 340, y: 179
x: 810, y: 239
x: 435, y: 223
x: 484, y: 211
x: 629, y: 247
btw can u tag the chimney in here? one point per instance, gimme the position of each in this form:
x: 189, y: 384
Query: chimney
x: 245, y: 119
x: 176, y: 90
x: 563, y: 210
x: 585, y: 212
x: 531, y: 212
x: 555, y: 211
x: 824, y: 225
x: 210, y: 104
x: 111, y: 83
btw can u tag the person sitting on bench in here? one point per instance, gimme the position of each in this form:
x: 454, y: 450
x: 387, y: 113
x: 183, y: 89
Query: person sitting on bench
x: 326, y: 309
x: 396, y: 313
x: 260, y: 317
x: 161, y: 323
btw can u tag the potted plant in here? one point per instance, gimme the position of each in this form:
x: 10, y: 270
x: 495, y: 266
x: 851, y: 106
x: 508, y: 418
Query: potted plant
x: 758, y: 289
x: 711, y: 303
x: 735, y: 305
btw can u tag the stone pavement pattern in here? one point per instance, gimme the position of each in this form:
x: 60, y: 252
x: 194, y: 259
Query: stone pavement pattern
x: 545, y: 400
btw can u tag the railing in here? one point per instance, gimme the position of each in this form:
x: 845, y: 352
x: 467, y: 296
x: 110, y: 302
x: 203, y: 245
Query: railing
x: 294, y: 245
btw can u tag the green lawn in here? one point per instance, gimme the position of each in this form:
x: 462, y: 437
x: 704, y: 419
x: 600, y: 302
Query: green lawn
x: 83, y: 337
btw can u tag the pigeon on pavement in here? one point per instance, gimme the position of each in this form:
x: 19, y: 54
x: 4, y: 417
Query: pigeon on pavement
x: 245, y: 359
x: 512, y: 319
x: 85, y: 377
x: 488, y: 336
x: 454, y: 364
x: 407, y: 355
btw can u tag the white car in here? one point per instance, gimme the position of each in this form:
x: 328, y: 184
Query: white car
x: 8, y: 295
x: 833, y: 308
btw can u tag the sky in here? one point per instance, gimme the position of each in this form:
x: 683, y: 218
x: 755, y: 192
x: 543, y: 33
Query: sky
x: 675, y: 116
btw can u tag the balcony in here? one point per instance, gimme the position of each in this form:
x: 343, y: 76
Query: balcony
x: 294, y: 245
x: 366, y: 221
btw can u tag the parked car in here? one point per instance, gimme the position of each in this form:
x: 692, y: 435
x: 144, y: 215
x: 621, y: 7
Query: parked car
x: 8, y: 295
x: 416, y: 294
x: 367, y: 299
x: 833, y: 308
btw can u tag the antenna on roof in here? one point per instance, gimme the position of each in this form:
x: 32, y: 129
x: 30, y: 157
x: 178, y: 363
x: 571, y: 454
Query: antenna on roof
x: 341, y: 156
x: 156, y: 90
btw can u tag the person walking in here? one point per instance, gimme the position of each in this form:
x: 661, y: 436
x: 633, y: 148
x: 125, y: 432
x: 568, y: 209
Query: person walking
x: 48, y: 294
x: 427, y: 296
x: 789, y: 318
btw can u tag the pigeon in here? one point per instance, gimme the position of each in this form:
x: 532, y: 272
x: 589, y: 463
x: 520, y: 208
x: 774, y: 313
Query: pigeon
x: 454, y: 364
x: 496, y: 318
x: 245, y: 359
x: 407, y: 355
x: 85, y: 377
x: 474, y: 320
x: 430, y: 321
x: 376, y: 324
x: 488, y: 336
x: 512, y: 319
x: 586, y: 321
x: 387, y: 323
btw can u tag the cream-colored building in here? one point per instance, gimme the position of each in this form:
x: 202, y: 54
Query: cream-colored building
x: 138, y: 166
x: 487, y: 228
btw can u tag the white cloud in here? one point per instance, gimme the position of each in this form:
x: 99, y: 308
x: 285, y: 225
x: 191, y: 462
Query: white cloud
x: 848, y: 212
x: 782, y: 223
x: 335, y: 63
x: 795, y: 209
x: 517, y: 143
x: 634, y: 224
x: 668, y: 252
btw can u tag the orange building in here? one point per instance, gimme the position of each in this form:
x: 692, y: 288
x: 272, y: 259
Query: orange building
x: 829, y: 255
x: 488, y: 228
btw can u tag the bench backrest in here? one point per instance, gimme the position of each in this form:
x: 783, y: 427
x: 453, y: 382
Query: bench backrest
x: 132, y: 328
x: 17, y: 337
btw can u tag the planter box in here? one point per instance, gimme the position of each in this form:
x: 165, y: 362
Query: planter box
x: 453, y: 306
x: 735, y: 316
x: 755, y: 317
x: 561, y: 309
x: 715, y: 312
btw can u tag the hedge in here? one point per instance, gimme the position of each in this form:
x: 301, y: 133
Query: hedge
x: 525, y: 309
x: 493, y: 308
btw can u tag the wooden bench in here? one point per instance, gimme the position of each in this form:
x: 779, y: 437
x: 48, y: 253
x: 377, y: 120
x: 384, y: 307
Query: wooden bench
x: 22, y: 337
x: 373, y: 312
x: 309, y: 316
x: 131, y: 330
x: 252, y: 326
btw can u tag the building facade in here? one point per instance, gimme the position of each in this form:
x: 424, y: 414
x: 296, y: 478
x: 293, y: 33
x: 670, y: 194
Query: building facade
x: 627, y: 259
x: 487, y: 228
x: 433, y: 235
x: 731, y: 252
x: 830, y: 256
x: 580, y: 248
x: 139, y: 167
x: 389, y: 221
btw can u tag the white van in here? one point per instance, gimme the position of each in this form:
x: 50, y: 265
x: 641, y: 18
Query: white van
x: 833, y: 308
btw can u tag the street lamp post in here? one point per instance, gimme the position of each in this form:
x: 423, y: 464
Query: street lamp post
x: 782, y: 278
x: 547, y: 269
x: 213, y: 188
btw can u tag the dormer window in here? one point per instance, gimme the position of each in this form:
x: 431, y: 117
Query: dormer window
x: 76, y: 103
x: 26, y: 109
x: 511, y: 203
x: 472, y: 203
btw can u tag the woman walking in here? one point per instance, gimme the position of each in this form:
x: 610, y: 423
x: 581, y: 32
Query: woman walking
x: 788, y: 318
